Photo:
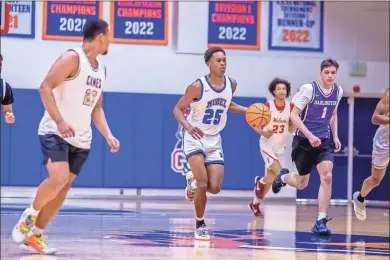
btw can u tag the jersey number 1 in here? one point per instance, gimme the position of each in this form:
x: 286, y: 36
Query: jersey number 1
x: 211, y: 114
x: 89, y: 98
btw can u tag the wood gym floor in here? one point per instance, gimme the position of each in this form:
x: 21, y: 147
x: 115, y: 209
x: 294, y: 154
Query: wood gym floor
x: 146, y: 230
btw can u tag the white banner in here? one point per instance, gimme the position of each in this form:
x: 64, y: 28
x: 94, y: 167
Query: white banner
x: 22, y: 19
x: 296, y: 26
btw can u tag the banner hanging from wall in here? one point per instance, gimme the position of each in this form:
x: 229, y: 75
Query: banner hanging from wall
x: 234, y: 24
x: 139, y: 22
x: 296, y: 26
x: 64, y: 20
x: 21, y: 19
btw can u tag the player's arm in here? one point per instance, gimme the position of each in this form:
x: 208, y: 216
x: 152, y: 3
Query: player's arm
x: 99, y: 119
x: 291, y: 127
x: 382, y: 108
x: 234, y: 107
x: 301, y: 100
x: 193, y: 92
x: 7, y: 104
x: 65, y: 66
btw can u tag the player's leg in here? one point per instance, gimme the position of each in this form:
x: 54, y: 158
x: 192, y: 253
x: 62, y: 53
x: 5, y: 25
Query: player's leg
x: 35, y: 242
x: 263, y: 184
x: 302, y: 156
x: 324, y: 164
x: 55, y: 151
x: 197, y: 164
x: 380, y: 161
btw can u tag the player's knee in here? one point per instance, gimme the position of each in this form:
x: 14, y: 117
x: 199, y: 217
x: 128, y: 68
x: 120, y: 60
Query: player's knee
x: 326, y: 178
x: 201, y: 185
x: 301, y: 184
x: 60, y: 180
x: 215, y: 189
x: 376, y: 180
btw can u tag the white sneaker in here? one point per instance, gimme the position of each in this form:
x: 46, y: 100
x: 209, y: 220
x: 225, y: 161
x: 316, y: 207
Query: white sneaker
x: 190, y: 189
x: 37, y: 244
x: 359, y: 207
x: 23, y: 227
x: 202, y: 233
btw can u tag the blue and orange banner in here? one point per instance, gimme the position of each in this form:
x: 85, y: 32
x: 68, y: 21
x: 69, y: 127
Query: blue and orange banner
x: 296, y: 26
x: 139, y: 22
x: 21, y: 19
x: 64, y: 20
x: 234, y: 24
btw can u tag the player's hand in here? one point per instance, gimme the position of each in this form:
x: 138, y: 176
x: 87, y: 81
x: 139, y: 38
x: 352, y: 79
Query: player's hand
x: 65, y: 129
x: 195, y: 132
x: 314, y: 141
x: 337, y: 144
x: 267, y: 133
x: 113, y: 143
x: 9, y: 118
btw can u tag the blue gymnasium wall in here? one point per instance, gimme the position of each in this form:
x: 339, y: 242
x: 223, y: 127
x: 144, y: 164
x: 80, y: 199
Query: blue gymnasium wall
x: 146, y: 128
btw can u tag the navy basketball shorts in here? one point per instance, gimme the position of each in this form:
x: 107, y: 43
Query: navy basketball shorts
x: 58, y: 150
x: 305, y: 156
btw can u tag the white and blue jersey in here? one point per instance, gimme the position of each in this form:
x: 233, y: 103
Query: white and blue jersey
x: 209, y: 113
x: 317, y: 105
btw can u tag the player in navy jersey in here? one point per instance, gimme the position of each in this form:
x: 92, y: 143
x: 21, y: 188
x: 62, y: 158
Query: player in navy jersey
x: 315, y: 115
x: 6, y: 97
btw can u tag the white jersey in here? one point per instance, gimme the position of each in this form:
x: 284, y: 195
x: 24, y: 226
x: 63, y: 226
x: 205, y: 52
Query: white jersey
x: 381, y: 138
x: 279, y: 125
x: 76, y: 98
x: 209, y: 112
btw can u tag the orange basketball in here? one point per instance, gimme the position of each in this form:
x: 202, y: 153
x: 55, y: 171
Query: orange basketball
x: 258, y: 115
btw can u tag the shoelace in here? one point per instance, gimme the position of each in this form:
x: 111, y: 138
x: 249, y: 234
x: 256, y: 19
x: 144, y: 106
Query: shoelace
x: 202, y: 230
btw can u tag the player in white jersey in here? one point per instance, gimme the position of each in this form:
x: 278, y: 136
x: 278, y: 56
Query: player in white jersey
x: 210, y: 98
x: 380, y: 155
x: 72, y: 95
x: 272, y: 141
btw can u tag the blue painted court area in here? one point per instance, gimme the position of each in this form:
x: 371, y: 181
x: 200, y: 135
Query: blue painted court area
x: 98, y: 229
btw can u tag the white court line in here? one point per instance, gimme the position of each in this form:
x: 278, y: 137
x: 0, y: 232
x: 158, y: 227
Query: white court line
x: 310, y: 249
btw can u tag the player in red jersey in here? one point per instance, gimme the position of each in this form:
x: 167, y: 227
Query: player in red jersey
x: 272, y: 140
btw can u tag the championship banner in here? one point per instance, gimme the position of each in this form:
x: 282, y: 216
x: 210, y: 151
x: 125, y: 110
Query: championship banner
x: 139, y: 22
x: 21, y: 19
x: 65, y: 20
x: 234, y: 24
x: 296, y: 26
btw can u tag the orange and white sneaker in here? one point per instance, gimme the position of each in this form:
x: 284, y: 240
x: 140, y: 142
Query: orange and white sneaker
x: 189, y: 191
x: 37, y: 244
x: 23, y: 227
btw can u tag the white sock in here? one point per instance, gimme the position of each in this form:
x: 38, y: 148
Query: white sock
x: 262, y: 180
x: 199, y: 219
x: 282, y: 178
x: 36, y: 231
x: 256, y: 200
x: 33, y: 211
x: 321, y: 215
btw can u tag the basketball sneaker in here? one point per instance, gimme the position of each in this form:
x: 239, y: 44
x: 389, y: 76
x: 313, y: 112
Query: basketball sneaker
x: 259, y: 188
x: 202, y: 233
x: 320, y: 227
x: 277, y: 184
x: 23, y: 227
x: 37, y: 244
x: 190, y: 189
x: 359, y: 207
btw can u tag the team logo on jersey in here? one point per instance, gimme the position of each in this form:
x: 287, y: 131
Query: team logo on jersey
x: 179, y: 162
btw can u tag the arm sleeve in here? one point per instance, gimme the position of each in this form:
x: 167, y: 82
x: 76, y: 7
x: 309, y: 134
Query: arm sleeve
x: 9, y: 97
x: 303, y: 96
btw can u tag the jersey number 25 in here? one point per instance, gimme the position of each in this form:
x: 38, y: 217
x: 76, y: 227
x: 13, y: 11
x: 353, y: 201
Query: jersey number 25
x: 213, y: 116
x: 89, y: 98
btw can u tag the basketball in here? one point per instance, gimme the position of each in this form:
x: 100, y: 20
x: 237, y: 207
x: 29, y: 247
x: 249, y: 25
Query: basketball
x: 258, y: 115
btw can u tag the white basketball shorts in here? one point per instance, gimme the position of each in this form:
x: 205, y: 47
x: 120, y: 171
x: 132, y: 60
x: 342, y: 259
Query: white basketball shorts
x: 210, y: 146
x: 380, y: 156
x: 269, y: 153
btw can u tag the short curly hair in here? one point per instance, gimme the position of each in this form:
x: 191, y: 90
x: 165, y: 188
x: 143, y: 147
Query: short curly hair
x: 275, y: 82
x: 209, y: 53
